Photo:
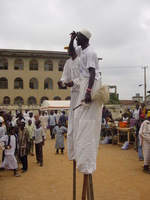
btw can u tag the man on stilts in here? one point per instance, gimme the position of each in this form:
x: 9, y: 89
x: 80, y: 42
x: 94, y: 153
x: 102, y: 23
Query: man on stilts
x: 71, y: 72
x: 87, y: 119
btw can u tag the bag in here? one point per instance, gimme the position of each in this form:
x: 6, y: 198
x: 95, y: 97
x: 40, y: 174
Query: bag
x: 125, y: 145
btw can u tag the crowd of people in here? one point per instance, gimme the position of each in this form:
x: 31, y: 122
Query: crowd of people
x: 139, y: 120
x: 22, y: 134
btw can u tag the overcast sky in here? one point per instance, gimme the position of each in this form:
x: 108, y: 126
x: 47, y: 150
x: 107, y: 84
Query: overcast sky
x: 120, y: 34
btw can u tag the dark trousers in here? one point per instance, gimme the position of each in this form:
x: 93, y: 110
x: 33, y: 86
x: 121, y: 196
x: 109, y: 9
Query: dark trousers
x: 39, y: 152
x: 51, y: 132
x: 24, y: 162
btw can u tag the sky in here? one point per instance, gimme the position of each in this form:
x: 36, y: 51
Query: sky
x: 120, y: 34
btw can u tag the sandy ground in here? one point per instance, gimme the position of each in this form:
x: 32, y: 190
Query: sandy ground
x: 118, y: 176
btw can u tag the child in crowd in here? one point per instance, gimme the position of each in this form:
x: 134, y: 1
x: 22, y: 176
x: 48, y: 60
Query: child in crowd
x: 59, y: 130
x: 30, y: 128
x: 38, y: 136
x: 10, y: 144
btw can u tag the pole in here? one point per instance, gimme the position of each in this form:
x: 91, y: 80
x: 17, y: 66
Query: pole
x: 74, y: 180
x: 145, y: 84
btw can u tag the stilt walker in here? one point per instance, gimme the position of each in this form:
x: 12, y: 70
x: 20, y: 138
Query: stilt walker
x: 87, y: 118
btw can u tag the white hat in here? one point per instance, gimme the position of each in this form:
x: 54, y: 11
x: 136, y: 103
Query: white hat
x: 86, y: 33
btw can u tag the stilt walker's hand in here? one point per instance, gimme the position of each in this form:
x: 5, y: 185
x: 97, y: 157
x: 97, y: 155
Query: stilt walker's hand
x: 88, y: 97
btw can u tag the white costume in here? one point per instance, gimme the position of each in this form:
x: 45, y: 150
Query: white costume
x: 87, y: 118
x: 144, y: 134
x: 70, y: 73
x: 10, y: 161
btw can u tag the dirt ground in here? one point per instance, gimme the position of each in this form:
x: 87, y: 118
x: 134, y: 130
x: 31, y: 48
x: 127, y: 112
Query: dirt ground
x: 118, y: 176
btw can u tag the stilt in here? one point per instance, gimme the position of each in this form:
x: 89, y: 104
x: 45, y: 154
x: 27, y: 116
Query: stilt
x: 91, y: 187
x: 74, y: 180
x: 88, y: 189
x: 84, y: 189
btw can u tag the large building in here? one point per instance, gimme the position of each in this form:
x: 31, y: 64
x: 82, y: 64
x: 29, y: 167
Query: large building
x: 27, y: 77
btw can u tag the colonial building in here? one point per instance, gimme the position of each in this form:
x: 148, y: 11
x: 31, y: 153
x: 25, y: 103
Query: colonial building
x: 28, y: 77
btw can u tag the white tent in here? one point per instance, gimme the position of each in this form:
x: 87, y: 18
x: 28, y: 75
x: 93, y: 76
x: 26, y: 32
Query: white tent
x: 54, y: 105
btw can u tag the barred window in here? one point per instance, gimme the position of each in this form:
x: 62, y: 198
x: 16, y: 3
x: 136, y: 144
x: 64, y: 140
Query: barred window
x: 33, y: 65
x: 18, y: 83
x: 48, y: 84
x: 48, y: 65
x: 3, y: 64
x: 33, y: 84
x: 61, y: 65
x: 18, y: 64
x: 3, y: 83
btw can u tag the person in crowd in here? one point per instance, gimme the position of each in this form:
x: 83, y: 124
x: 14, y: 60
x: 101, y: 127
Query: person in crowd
x: 24, y: 141
x: 143, y: 109
x: 144, y: 134
x: 52, y: 123
x: 30, y: 128
x: 44, y: 120
x: 32, y: 117
x: 63, y: 118
x: 140, y: 153
x: 59, y: 131
x: 10, y: 144
x: 39, y: 142
x: 125, y: 117
x: 136, y: 112
x: 57, y: 116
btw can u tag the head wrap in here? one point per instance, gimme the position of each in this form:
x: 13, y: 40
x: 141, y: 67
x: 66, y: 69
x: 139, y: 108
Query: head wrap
x: 86, y: 33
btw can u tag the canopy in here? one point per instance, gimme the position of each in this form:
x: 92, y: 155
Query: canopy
x: 54, y: 105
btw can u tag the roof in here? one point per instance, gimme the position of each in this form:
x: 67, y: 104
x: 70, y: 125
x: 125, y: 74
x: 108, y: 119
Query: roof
x: 128, y: 102
x: 33, y: 53
x: 55, y: 105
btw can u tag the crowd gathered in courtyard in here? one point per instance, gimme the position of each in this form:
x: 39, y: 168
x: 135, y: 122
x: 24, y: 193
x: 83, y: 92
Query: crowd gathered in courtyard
x: 23, y: 134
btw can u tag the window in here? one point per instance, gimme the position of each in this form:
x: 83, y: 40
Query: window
x: 57, y: 98
x: 31, y: 101
x: 68, y: 98
x: 48, y: 84
x: 18, y: 101
x: 6, y: 100
x: 3, y: 64
x: 48, y: 65
x: 3, y: 83
x: 61, y: 65
x: 18, y: 64
x: 18, y: 83
x: 33, y: 84
x: 33, y: 64
x: 43, y: 99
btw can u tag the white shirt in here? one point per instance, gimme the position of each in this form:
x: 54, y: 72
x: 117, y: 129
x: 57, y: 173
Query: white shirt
x: 38, y: 134
x: 71, y: 71
x: 2, y: 131
x: 10, y: 151
x: 88, y: 58
x: 136, y: 114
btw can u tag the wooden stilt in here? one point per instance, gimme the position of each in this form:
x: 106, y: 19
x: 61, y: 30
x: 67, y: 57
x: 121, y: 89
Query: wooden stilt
x: 91, y: 187
x: 84, y: 189
x: 74, y: 180
x: 88, y: 189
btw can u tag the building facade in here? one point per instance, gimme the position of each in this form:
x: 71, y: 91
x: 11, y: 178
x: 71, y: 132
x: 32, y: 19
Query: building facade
x: 28, y: 77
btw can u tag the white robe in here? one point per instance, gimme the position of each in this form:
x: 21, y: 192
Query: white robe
x: 87, y: 118
x: 87, y: 130
x: 70, y: 73
x: 10, y: 161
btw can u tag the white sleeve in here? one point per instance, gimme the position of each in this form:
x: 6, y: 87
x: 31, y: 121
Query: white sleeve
x: 65, y: 74
x: 78, y: 50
